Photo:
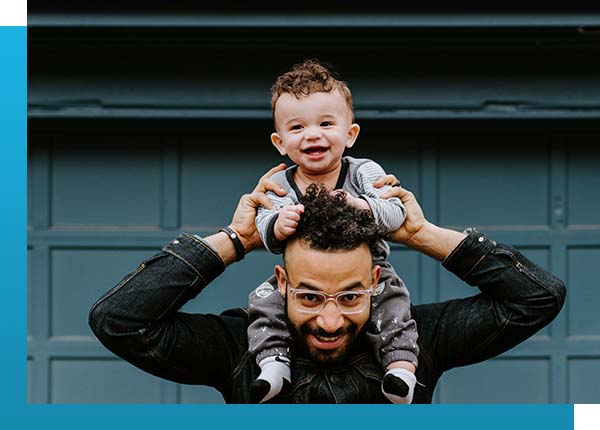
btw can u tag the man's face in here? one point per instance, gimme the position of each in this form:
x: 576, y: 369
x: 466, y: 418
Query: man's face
x: 314, y: 130
x: 328, y: 334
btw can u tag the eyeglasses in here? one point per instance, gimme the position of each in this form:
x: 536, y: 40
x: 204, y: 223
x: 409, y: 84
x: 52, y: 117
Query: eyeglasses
x: 313, y: 302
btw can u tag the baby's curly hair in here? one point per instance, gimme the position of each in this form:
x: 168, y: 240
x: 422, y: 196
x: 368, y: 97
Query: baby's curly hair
x: 310, y: 76
x: 329, y: 223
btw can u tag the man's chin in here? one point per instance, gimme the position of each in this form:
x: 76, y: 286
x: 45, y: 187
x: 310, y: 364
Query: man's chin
x: 322, y: 351
x: 321, y: 347
x: 328, y: 356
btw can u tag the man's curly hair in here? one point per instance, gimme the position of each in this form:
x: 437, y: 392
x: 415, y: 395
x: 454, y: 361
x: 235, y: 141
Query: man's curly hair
x: 310, y: 76
x: 329, y: 223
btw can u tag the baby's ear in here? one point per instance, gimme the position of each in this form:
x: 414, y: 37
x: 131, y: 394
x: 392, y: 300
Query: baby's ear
x: 352, y: 135
x: 278, y: 143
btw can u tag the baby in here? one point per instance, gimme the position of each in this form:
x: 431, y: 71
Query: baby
x: 314, y: 124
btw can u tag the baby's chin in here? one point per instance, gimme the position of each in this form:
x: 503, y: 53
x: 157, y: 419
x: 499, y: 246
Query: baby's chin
x: 318, y: 167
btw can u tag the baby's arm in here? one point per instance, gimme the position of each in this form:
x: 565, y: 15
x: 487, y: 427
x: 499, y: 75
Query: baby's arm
x: 268, y: 221
x: 389, y: 213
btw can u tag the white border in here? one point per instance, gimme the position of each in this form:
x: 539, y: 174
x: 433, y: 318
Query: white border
x: 13, y: 13
x: 587, y: 417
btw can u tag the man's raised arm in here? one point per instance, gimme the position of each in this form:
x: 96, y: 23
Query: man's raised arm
x: 517, y: 297
x: 139, y: 319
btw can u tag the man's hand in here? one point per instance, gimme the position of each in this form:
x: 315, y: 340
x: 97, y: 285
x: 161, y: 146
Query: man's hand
x: 243, y: 221
x: 415, y: 219
x: 287, y: 221
x: 416, y: 232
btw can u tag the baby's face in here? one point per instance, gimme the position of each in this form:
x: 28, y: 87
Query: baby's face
x: 313, y: 131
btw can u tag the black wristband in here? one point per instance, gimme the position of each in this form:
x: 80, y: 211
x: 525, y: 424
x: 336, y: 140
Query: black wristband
x: 237, y: 243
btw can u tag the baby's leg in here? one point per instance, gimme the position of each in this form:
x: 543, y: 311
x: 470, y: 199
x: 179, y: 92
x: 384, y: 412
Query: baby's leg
x: 269, y: 340
x: 394, y: 336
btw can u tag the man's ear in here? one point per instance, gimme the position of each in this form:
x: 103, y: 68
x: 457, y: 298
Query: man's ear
x: 375, y: 275
x: 278, y: 143
x: 352, y: 135
x: 281, y: 280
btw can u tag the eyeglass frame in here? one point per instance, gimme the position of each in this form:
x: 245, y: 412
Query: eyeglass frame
x: 328, y: 297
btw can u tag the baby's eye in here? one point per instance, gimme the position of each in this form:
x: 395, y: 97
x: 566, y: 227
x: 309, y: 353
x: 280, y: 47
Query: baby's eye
x: 326, y: 123
x: 296, y: 127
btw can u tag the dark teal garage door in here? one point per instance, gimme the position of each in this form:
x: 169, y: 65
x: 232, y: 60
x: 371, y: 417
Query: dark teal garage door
x: 136, y: 117
x: 101, y: 199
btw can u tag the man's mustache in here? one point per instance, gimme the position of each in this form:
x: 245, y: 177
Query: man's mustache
x: 306, y: 329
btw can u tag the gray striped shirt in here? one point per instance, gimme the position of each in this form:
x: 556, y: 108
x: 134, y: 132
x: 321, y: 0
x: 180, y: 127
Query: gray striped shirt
x: 356, y: 178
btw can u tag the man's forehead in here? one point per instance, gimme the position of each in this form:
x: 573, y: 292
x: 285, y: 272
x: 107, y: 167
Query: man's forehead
x: 302, y: 248
x: 327, y: 269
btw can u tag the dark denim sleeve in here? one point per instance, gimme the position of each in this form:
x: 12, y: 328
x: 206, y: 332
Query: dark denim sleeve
x: 139, y: 321
x: 517, y: 299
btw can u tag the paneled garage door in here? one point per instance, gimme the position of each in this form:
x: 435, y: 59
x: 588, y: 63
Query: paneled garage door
x: 102, y: 200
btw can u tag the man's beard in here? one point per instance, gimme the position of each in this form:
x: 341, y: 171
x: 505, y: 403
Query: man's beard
x: 304, y: 348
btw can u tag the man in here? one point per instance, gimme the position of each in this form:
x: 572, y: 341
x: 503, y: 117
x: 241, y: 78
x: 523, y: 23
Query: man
x: 139, y: 319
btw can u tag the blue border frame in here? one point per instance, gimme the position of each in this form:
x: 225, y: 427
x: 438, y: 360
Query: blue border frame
x: 13, y: 212
x: 13, y: 180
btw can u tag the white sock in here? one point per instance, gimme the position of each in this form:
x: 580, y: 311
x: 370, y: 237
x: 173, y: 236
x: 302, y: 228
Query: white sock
x: 407, y: 377
x: 274, y: 370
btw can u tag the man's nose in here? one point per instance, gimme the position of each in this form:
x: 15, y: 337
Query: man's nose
x: 330, y: 318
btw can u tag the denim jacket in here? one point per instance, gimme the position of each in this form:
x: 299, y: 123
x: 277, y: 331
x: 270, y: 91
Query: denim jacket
x: 139, y: 320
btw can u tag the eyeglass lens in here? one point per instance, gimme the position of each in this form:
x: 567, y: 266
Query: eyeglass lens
x: 347, y: 302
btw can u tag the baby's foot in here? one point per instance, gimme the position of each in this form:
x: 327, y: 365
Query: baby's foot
x: 274, y: 378
x: 398, y: 385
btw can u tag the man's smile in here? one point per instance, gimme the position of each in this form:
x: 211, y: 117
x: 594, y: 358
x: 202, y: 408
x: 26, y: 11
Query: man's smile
x: 326, y: 342
x: 326, y: 345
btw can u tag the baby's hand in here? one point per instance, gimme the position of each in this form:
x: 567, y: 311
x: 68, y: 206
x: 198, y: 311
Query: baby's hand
x: 287, y: 221
x: 357, y: 202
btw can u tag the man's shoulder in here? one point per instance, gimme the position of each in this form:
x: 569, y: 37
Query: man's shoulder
x: 241, y: 313
x: 236, y: 322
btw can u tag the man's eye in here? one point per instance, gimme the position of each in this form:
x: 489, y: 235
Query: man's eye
x: 309, y: 297
x: 309, y: 300
x: 350, y: 298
